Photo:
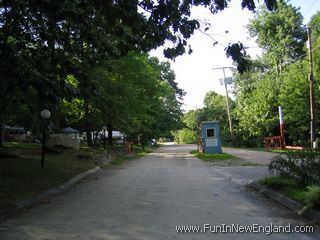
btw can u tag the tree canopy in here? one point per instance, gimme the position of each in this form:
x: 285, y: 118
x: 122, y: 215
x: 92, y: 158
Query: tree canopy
x: 44, y: 44
x: 278, y: 78
x: 280, y: 33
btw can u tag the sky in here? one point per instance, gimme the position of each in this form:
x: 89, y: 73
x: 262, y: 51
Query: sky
x: 194, y: 73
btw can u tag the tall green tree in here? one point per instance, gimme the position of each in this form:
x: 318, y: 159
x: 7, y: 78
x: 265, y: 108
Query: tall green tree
x: 188, y: 134
x: 159, y: 108
x: 215, y: 108
x: 314, y: 24
x: 258, y: 111
x: 280, y: 33
x: 295, y: 101
x: 135, y: 94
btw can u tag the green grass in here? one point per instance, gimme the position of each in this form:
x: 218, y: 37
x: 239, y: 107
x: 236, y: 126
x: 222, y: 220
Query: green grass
x: 288, y: 187
x: 285, y: 150
x: 211, y: 157
x: 99, y: 149
x: 21, y: 145
x: 298, y: 194
x: 279, y: 182
x: 23, y: 177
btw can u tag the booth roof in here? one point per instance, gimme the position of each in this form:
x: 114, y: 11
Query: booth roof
x: 69, y: 130
x: 206, y: 122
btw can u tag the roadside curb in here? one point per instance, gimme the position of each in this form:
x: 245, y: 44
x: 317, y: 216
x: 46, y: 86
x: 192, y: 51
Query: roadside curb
x: 29, y: 202
x: 285, y: 201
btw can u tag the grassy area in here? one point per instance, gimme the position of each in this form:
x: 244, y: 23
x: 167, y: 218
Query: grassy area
x: 212, y: 157
x: 100, y: 148
x: 287, y: 186
x: 285, y: 150
x: 290, y: 188
x: 22, y: 177
x: 278, y: 183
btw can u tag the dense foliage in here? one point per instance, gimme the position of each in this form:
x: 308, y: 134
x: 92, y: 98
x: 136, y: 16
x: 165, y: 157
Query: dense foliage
x: 280, y: 34
x: 60, y: 54
x: 278, y: 78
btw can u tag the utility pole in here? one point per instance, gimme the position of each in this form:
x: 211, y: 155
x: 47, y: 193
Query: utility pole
x: 312, y: 112
x: 227, y: 98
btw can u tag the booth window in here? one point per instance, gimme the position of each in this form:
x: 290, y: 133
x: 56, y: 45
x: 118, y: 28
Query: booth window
x: 211, y: 133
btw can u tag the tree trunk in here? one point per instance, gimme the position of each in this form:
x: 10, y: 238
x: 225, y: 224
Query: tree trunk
x: 57, y: 119
x: 88, y: 133
x: 143, y: 141
x: 1, y: 134
x: 87, y: 124
x: 110, y: 137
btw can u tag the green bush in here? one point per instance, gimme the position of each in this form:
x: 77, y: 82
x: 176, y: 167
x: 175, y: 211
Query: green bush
x: 304, y: 166
x: 312, y: 197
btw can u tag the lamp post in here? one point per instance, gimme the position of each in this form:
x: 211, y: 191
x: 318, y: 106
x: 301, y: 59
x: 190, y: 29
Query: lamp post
x: 45, y: 114
x: 104, y: 137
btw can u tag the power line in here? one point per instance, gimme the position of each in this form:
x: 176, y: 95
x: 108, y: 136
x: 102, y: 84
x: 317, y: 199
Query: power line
x: 310, y: 7
x: 208, y: 35
x: 304, y: 55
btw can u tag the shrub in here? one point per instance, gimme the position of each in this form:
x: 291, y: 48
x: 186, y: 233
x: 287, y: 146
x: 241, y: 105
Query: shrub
x: 312, y: 196
x: 186, y: 135
x: 303, y: 166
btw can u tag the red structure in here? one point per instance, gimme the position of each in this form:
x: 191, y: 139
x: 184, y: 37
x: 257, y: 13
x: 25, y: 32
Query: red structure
x: 128, y: 147
x: 278, y: 142
x: 275, y: 142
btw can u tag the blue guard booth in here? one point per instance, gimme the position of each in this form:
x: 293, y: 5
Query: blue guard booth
x: 210, y: 134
